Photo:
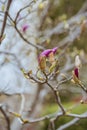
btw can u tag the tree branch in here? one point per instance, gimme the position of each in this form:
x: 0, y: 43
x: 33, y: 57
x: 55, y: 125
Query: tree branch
x: 22, y: 10
x: 56, y: 93
x: 20, y: 34
x: 5, y: 19
x: 6, y: 117
x: 63, y: 127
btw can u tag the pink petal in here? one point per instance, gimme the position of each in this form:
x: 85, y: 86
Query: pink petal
x: 24, y: 28
x: 54, y: 49
x: 46, y: 52
x: 76, y: 72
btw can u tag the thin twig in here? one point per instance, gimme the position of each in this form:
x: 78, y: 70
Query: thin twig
x: 72, y: 122
x: 20, y: 34
x: 52, y: 116
x: 63, y: 81
x: 6, y: 117
x: 31, y: 121
x: 33, y: 77
x: 56, y: 93
x: 13, y: 55
x: 32, y: 44
x: 22, y: 10
x: 52, y: 125
x: 83, y: 8
x: 22, y: 103
x: 83, y: 87
x: 35, y: 101
x: 5, y: 19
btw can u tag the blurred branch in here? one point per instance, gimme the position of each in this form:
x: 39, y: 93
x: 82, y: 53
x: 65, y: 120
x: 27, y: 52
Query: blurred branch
x: 18, y: 13
x: 70, y: 38
x: 8, y: 20
x: 77, y: 117
x: 52, y: 117
x: 83, y: 8
x: 82, y: 116
x: 59, y: 28
x: 13, y: 55
x: 74, y: 30
x: 6, y: 117
x: 83, y: 87
x: 35, y: 101
x: 44, y: 13
x: 31, y: 121
x: 22, y: 103
x: 5, y: 19
x: 51, y: 125
x: 63, y: 81
x: 63, y: 127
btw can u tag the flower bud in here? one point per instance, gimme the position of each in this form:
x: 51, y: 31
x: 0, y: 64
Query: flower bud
x: 76, y: 72
x: 77, y: 62
x: 49, y: 53
x: 75, y: 75
x: 83, y: 26
x: 42, y: 63
x: 24, y: 28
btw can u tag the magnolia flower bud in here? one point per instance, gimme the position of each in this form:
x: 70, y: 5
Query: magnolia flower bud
x: 76, y: 72
x: 49, y: 53
x: 77, y: 62
x: 25, y: 27
x: 42, y: 63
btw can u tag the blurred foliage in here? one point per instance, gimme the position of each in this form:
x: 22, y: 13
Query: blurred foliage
x: 81, y: 42
x: 60, y: 11
x: 78, y: 109
x: 66, y: 8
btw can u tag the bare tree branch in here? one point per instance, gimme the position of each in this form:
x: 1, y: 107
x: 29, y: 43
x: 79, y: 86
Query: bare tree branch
x: 57, y: 97
x: 72, y: 22
x: 83, y: 8
x: 20, y: 34
x: 5, y: 19
x: 63, y: 127
x: 13, y: 55
x: 22, y: 10
x: 6, y: 117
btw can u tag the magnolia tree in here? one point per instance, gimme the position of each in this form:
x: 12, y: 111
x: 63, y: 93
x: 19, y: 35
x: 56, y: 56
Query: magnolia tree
x: 36, y: 61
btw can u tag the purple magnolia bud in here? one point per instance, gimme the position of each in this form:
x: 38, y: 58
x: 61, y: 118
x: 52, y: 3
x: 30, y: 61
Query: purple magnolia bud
x: 24, y: 28
x: 77, y: 61
x: 76, y: 72
x: 48, y: 51
x: 54, y: 50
